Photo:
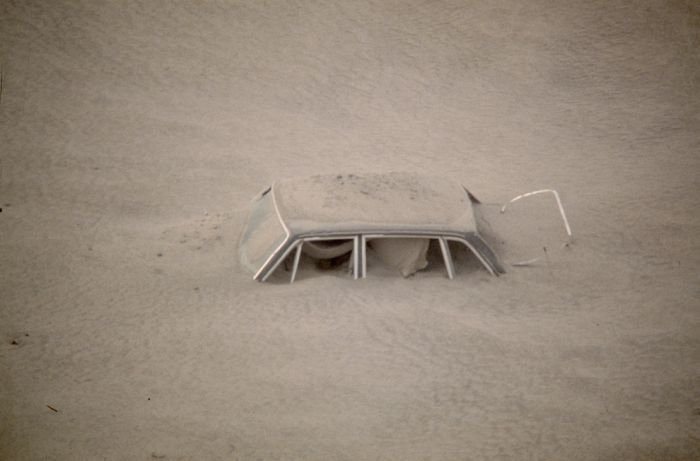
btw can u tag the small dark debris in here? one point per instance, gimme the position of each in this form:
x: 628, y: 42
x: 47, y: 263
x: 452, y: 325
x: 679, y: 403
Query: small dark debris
x: 196, y: 288
x: 7, y: 205
x: 26, y: 334
x: 155, y: 455
x: 52, y: 408
x: 149, y: 398
x: 160, y: 255
x: 14, y: 342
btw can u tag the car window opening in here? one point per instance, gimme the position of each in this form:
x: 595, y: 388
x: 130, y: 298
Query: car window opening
x: 327, y: 255
x: 406, y: 255
x: 463, y: 257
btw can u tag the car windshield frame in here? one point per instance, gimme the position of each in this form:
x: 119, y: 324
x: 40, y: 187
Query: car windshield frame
x: 265, y: 234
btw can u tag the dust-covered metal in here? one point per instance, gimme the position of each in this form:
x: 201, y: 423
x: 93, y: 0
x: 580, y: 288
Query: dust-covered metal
x: 327, y: 216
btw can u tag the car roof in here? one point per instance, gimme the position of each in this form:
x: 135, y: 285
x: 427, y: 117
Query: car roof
x: 373, y: 202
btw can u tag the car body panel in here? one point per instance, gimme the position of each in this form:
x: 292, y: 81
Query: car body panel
x: 360, y: 208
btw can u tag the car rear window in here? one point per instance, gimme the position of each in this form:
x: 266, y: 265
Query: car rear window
x: 264, y: 233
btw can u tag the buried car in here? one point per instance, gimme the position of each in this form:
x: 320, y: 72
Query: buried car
x: 331, y: 217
